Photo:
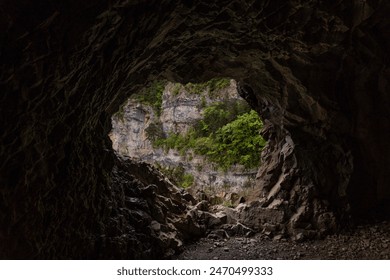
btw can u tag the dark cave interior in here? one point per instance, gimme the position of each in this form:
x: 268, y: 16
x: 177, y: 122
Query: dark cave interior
x: 316, y: 72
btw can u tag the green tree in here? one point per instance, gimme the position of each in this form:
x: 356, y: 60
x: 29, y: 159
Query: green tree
x: 219, y: 114
x: 238, y: 142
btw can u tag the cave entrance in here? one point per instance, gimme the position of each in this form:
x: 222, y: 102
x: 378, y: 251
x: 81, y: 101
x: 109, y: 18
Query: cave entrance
x: 203, y: 137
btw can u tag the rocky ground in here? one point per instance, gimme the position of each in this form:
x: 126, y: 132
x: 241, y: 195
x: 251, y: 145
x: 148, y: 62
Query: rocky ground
x: 366, y: 241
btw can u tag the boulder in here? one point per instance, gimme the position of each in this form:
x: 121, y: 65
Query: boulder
x: 253, y: 215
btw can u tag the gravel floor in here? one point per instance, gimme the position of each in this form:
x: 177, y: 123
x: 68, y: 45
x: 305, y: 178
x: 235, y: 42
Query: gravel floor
x: 365, y: 242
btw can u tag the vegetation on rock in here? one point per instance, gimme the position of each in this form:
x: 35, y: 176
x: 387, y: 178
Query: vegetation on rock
x: 228, y: 134
x: 152, y: 95
x: 211, y: 86
x: 238, y: 142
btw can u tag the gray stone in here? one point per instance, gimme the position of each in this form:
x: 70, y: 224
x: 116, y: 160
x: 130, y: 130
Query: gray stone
x: 238, y: 229
x: 255, y: 216
x: 203, y: 205
x: 299, y: 237
x: 213, y: 221
x: 218, y: 234
x: 156, y: 226
x: 278, y: 237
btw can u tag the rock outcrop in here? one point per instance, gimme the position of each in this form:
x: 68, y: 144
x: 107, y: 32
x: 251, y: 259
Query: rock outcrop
x: 149, y: 216
x: 316, y: 71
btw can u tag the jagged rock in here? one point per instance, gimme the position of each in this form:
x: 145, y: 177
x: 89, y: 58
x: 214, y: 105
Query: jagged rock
x: 299, y: 237
x: 188, y: 226
x: 230, y: 213
x: 223, y: 216
x: 233, y: 198
x: 215, y: 220
x: 202, y: 205
x: 326, y: 222
x: 278, y: 237
x: 201, y: 195
x: 215, y: 199
x: 156, y: 226
x: 189, y: 198
x: 170, y: 242
x: 269, y: 229
x: 218, y: 234
x: 238, y: 229
x: 255, y: 216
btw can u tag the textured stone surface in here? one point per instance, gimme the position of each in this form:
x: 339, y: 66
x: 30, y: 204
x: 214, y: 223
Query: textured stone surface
x: 144, y: 215
x: 316, y: 71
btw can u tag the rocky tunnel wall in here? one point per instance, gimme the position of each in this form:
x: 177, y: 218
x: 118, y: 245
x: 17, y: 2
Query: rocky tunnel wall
x: 316, y: 71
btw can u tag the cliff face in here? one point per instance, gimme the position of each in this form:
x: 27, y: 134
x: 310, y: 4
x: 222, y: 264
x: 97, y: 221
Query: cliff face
x: 316, y: 71
x: 180, y: 110
x: 128, y: 134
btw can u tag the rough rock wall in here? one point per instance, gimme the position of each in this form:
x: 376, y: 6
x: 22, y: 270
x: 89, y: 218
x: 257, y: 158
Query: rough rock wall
x: 317, y: 72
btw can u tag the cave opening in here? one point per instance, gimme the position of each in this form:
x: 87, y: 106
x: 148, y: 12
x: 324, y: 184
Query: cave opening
x: 204, y: 137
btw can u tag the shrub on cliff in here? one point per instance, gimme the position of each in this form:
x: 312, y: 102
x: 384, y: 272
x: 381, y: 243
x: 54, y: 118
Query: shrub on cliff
x: 223, y: 141
x: 238, y: 142
x: 152, y: 95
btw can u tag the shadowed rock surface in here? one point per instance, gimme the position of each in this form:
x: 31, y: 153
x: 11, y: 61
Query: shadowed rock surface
x: 316, y: 71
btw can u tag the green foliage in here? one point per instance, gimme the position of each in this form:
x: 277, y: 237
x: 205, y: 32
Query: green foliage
x: 219, y: 114
x: 178, y: 142
x: 218, y: 83
x: 176, y: 89
x: 238, y: 142
x: 152, y: 95
x: 228, y: 204
x: 203, y: 102
x: 187, y: 181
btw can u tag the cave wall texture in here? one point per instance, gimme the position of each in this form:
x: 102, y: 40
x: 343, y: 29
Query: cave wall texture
x: 316, y: 71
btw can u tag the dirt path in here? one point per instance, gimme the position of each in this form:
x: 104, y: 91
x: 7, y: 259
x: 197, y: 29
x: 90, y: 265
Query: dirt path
x: 366, y: 242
